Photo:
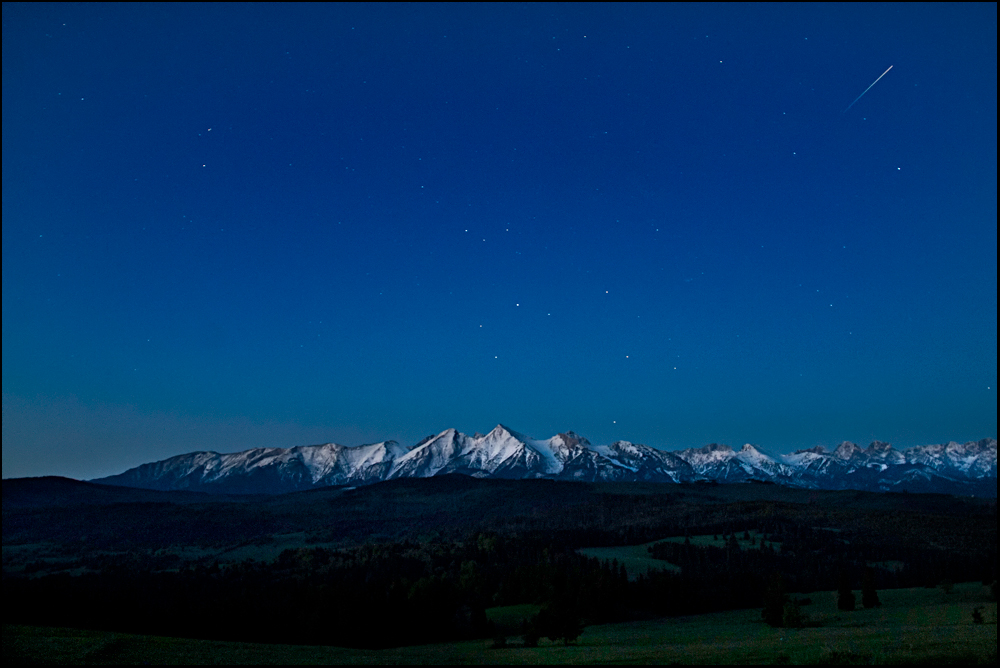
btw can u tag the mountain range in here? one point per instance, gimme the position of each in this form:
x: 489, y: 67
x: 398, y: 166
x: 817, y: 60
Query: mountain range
x: 955, y: 468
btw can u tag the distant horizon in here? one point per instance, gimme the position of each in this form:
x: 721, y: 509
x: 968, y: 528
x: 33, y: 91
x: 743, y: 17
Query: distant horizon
x: 733, y: 445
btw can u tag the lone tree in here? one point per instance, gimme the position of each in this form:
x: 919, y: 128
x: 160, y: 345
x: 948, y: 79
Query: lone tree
x: 775, y: 599
x: 793, y: 617
x: 869, y: 597
x: 559, y: 621
x: 845, y: 597
x: 530, y: 632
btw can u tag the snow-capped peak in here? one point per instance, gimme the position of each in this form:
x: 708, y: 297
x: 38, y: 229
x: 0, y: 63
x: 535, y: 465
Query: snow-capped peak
x: 506, y: 453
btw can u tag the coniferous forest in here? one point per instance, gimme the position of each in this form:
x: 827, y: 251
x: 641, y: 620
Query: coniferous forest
x: 420, y: 561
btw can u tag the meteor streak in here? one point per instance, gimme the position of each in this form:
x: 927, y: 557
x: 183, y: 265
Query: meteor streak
x: 866, y: 90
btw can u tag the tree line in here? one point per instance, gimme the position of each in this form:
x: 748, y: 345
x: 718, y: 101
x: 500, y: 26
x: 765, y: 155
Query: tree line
x: 408, y: 592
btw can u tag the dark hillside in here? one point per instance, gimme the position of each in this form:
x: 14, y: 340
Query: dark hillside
x: 318, y: 566
x: 104, y: 517
x: 51, y: 491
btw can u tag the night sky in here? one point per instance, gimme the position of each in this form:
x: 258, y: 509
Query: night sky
x: 232, y: 226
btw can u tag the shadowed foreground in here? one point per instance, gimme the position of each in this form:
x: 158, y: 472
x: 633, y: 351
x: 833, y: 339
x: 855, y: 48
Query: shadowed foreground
x: 912, y: 626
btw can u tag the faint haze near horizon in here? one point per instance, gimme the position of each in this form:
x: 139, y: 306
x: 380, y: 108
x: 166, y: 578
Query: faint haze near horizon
x: 111, y: 431
x: 238, y: 226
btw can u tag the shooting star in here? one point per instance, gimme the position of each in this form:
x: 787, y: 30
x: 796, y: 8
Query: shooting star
x: 866, y: 90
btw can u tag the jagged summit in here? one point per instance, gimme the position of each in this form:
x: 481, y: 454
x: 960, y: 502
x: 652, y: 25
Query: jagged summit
x: 505, y: 453
x: 846, y: 450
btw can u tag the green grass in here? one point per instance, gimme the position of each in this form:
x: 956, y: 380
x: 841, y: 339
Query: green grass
x: 912, y: 626
x: 636, y: 558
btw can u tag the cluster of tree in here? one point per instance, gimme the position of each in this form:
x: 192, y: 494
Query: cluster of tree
x: 401, y: 593
x: 406, y: 592
x: 817, y: 559
x: 586, y: 514
x: 374, y: 595
x: 783, y: 610
x: 558, y: 620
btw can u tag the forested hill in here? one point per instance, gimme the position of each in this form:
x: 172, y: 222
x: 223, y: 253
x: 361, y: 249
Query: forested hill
x: 60, y: 509
x: 420, y: 560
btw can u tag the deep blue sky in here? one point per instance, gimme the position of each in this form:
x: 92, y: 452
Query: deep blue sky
x: 230, y: 226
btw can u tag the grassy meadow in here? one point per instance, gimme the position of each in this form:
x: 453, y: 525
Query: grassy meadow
x: 638, y: 560
x: 911, y: 626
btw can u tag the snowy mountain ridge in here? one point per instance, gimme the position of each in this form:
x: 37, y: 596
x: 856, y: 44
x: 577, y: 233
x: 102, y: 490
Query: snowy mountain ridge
x: 503, y: 453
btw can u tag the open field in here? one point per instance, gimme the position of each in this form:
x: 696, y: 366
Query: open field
x: 635, y: 558
x: 912, y: 626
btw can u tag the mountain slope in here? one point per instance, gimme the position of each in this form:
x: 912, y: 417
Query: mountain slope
x: 968, y: 468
